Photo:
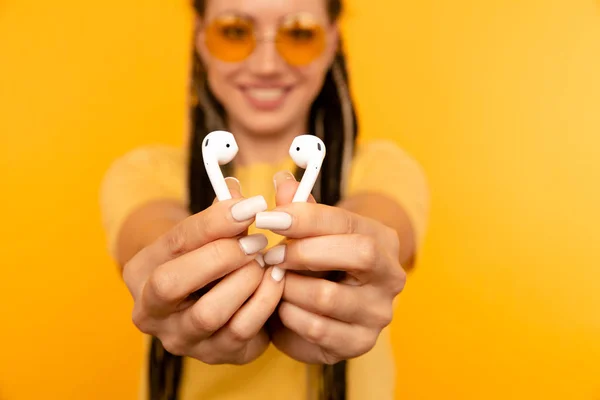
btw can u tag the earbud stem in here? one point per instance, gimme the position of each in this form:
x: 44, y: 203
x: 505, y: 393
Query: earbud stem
x: 307, y: 183
x: 218, y: 182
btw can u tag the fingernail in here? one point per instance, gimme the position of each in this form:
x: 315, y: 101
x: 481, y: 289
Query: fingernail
x: 260, y: 260
x: 246, y: 209
x: 233, y: 183
x: 275, y: 220
x: 253, y: 243
x: 281, y: 177
x: 275, y: 256
x: 277, y: 274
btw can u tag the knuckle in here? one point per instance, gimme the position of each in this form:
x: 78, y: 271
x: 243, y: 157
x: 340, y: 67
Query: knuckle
x: 399, y: 281
x: 302, y: 218
x: 141, y: 321
x: 266, y: 302
x: 210, y: 357
x: 175, y: 240
x: 241, y: 358
x: 384, y: 316
x: 162, y: 284
x: 209, y: 219
x: 239, y: 333
x: 326, y: 296
x: 129, y: 272
x: 366, y: 248
x: 204, y: 319
x: 349, y: 221
x: 298, y: 251
x: 314, y: 218
x: 174, y: 345
x: 316, y: 331
x: 330, y: 359
x: 366, y: 342
x: 219, y: 252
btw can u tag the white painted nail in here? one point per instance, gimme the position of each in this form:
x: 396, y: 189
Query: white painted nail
x: 277, y: 274
x: 281, y: 177
x: 246, y: 209
x: 260, y: 260
x: 253, y: 243
x: 275, y: 256
x: 233, y: 178
x: 274, y: 220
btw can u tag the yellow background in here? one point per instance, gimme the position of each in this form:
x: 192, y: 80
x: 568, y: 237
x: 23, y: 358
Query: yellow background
x: 499, y: 101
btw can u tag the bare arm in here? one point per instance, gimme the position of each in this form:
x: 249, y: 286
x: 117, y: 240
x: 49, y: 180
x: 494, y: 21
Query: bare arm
x: 145, y: 225
x: 388, y: 212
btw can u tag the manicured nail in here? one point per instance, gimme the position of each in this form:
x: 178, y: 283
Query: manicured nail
x: 253, y: 243
x: 233, y: 183
x: 277, y: 274
x: 274, y: 220
x: 246, y: 209
x: 275, y: 256
x: 281, y: 177
x: 260, y: 260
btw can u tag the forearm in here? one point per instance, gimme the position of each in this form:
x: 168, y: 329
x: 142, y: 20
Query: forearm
x: 145, y: 225
x: 389, y: 213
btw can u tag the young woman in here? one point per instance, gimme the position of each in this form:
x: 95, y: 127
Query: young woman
x: 313, y: 322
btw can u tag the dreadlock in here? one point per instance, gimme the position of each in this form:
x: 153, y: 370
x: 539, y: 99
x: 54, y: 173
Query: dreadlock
x: 333, y: 119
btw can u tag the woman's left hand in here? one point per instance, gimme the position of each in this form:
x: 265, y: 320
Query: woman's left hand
x: 321, y: 321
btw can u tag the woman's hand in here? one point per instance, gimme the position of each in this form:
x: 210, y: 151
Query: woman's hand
x: 225, y: 324
x: 321, y: 321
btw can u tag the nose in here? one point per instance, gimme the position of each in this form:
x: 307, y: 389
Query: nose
x: 265, y: 59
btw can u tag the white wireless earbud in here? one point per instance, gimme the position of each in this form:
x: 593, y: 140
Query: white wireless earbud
x: 308, y: 152
x: 218, y: 148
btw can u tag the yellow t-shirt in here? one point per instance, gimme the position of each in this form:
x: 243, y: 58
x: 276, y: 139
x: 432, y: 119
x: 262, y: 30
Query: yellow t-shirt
x: 159, y: 172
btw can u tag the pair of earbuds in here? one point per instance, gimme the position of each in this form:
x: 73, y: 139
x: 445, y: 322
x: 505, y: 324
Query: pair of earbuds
x: 220, y: 148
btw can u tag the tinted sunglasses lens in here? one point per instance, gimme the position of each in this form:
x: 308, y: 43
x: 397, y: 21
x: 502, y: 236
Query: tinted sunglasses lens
x: 230, y: 38
x: 301, y: 40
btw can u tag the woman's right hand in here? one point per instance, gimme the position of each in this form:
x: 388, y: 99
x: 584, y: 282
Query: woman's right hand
x: 226, y: 324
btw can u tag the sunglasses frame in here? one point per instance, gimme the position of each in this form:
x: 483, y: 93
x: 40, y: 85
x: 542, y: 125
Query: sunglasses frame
x: 272, y: 35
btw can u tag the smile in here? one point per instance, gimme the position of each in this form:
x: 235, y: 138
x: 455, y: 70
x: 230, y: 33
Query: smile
x: 266, y: 98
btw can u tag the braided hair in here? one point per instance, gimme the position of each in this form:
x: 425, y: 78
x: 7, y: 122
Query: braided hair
x: 333, y: 119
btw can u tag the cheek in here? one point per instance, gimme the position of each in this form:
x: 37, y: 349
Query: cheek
x: 312, y: 80
x: 220, y: 78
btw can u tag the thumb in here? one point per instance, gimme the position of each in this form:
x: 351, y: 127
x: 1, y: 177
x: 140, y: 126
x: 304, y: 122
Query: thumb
x: 285, y: 188
x: 234, y: 186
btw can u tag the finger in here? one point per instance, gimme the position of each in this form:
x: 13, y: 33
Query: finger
x: 235, y: 188
x: 299, y: 220
x: 224, y: 219
x: 358, y: 255
x: 172, y: 282
x: 338, y: 340
x: 294, y: 345
x: 285, y: 188
x: 330, y: 299
x: 253, y: 315
x: 215, y: 308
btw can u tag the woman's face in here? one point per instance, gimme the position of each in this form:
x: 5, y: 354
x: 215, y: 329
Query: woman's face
x: 263, y: 93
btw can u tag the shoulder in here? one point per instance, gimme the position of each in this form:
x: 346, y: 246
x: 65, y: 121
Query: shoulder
x: 384, y: 157
x: 149, y: 156
x: 158, y: 164
x: 141, y: 175
x: 381, y: 147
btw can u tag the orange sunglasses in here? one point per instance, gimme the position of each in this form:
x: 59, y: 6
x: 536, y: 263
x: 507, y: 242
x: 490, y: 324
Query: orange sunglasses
x: 299, y: 38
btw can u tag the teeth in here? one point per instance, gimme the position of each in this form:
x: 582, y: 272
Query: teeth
x: 265, y: 94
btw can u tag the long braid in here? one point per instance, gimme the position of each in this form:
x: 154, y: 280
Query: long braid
x: 333, y: 118
x: 334, y: 109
